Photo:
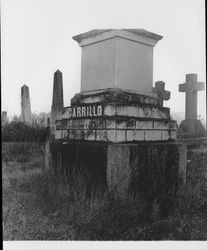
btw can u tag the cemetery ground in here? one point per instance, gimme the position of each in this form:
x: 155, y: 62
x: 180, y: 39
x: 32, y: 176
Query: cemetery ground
x: 37, y: 206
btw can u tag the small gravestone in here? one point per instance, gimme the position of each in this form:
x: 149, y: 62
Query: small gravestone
x: 191, y: 126
x: 26, y: 115
x: 116, y: 130
x: 4, y: 118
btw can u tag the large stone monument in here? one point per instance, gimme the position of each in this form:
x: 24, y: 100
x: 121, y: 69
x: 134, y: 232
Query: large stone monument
x: 191, y: 127
x: 116, y: 129
x: 57, y: 100
x: 117, y: 102
x: 26, y: 115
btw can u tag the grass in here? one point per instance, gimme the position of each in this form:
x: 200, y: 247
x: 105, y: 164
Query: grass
x: 38, y: 206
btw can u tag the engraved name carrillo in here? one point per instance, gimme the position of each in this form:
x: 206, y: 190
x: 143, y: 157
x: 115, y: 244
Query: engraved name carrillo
x: 79, y: 112
x: 84, y: 111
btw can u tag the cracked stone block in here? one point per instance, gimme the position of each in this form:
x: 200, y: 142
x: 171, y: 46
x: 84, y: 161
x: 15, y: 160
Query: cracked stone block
x: 144, y: 124
x: 153, y: 135
x: 135, y: 135
x: 105, y: 135
x: 120, y: 135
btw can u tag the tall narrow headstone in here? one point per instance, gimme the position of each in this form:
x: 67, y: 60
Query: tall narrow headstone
x: 26, y: 115
x: 57, y: 100
x: 191, y: 127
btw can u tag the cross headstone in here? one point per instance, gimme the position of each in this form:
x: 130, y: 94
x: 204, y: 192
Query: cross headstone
x: 162, y: 94
x: 191, y: 87
x: 26, y: 115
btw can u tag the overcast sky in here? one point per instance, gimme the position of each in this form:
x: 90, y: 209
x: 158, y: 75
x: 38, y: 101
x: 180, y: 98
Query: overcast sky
x: 37, y: 40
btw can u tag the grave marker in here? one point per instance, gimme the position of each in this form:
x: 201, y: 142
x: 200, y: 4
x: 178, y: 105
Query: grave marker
x: 57, y: 100
x: 26, y: 115
x: 4, y: 118
x: 191, y: 126
x: 191, y: 87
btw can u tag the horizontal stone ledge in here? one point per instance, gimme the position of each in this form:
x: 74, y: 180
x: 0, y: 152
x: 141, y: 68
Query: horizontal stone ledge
x: 117, y: 118
x: 124, y: 144
x: 118, y: 110
x: 115, y: 95
x: 116, y: 135
x: 120, y: 129
x: 115, y: 123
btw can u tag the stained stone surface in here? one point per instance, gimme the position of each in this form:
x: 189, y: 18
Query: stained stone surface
x: 117, y: 121
x: 115, y: 95
x: 119, y: 58
x: 26, y: 115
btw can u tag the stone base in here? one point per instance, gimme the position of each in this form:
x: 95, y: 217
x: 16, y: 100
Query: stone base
x: 191, y: 128
x: 116, y: 123
x: 148, y: 171
x: 116, y: 115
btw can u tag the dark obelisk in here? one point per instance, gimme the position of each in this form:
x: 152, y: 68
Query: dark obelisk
x: 57, y: 100
x: 26, y: 115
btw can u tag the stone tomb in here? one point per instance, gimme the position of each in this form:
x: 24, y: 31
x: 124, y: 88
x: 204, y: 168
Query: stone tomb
x: 116, y: 129
x: 118, y: 102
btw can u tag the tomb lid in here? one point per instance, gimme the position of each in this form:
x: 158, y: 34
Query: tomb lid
x: 97, y: 35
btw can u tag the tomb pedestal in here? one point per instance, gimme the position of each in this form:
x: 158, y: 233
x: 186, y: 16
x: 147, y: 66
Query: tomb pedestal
x: 116, y: 115
x: 145, y: 171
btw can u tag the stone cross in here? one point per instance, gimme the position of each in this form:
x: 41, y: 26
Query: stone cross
x: 162, y: 94
x: 26, y: 115
x: 191, y: 87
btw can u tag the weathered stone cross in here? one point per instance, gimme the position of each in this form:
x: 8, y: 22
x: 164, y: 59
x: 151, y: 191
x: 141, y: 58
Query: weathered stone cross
x: 162, y: 94
x: 191, y: 87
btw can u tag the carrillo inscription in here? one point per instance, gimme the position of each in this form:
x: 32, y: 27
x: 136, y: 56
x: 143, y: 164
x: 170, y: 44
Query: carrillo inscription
x: 84, y: 111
